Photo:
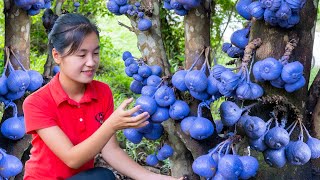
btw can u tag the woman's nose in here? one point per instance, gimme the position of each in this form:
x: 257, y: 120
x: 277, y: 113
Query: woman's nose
x: 91, y: 61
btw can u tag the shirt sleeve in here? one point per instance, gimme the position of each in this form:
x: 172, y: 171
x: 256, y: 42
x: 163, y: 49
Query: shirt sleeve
x: 37, y: 114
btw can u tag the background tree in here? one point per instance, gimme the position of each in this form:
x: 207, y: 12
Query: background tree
x: 174, y: 42
x: 17, y: 38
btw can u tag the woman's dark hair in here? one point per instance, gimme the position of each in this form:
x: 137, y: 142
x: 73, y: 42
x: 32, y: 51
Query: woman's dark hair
x: 70, y: 30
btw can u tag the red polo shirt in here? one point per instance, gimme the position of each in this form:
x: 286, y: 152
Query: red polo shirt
x: 51, y: 106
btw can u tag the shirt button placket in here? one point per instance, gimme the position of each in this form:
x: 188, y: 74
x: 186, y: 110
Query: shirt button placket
x: 82, y: 124
x: 82, y: 120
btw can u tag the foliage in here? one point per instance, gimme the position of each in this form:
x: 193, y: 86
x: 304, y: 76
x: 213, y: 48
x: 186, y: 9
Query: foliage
x: 37, y: 61
x: 93, y: 8
x: 215, y: 108
x: 224, y: 17
x: 140, y: 151
x: 313, y: 73
x: 173, y: 38
x: 221, y: 17
x: 38, y: 35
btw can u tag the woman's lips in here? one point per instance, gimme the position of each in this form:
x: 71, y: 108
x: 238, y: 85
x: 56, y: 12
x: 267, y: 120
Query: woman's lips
x: 89, y: 73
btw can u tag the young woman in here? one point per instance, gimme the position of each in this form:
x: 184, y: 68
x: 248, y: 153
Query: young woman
x: 72, y: 118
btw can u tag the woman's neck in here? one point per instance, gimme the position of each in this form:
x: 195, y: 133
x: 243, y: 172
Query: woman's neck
x: 74, y: 90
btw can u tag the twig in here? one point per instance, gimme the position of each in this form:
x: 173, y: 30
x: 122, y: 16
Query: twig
x: 129, y: 28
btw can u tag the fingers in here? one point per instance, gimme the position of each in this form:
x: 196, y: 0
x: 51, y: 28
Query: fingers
x: 133, y: 110
x: 142, y: 124
x: 141, y: 116
x: 125, y: 103
x: 139, y: 120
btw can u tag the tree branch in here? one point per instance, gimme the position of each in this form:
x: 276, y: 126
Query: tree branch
x: 128, y: 27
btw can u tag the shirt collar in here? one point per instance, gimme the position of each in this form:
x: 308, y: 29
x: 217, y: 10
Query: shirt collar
x: 59, y: 95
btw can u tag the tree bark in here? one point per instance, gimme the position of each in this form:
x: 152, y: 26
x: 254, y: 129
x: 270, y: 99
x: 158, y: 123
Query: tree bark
x: 151, y: 46
x: 197, y: 37
x: 274, y: 40
x: 197, y: 33
x: 17, y: 37
x: 150, y: 42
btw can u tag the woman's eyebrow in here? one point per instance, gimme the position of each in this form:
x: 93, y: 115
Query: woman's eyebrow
x: 85, y: 50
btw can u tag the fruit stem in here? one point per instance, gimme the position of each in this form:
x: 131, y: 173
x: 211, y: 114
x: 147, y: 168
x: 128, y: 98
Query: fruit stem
x: 22, y: 67
x: 290, y: 125
x: 296, y: 122
x: 7, y: 62
x: 301, y: 131
x: 307, y: 132
x: 248, y: 107
x: 196, y: 61
x: 284, y: 121
x: 214, y: 150
x: 14, y: 107
x: 268, y: 124
x: 222, y: 147
x: 273, y: 115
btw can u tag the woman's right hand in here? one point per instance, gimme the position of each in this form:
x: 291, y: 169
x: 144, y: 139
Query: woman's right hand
x: 122, y: 118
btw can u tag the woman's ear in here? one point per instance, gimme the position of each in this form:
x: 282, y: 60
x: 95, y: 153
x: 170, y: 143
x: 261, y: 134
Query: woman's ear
x: 56, y: 56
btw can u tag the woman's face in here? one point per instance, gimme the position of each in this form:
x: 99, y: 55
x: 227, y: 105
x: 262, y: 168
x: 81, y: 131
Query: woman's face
x: 80, y: 67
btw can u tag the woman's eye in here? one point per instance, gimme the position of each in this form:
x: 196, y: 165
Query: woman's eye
x: 81, y: 55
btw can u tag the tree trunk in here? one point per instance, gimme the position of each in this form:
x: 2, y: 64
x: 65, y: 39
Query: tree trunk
x: 17, y: 37
x: 152, y: 49
x: 274, y: 40
x: 197, y: 38
x: 150, y: 42
x: 197, y: 33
